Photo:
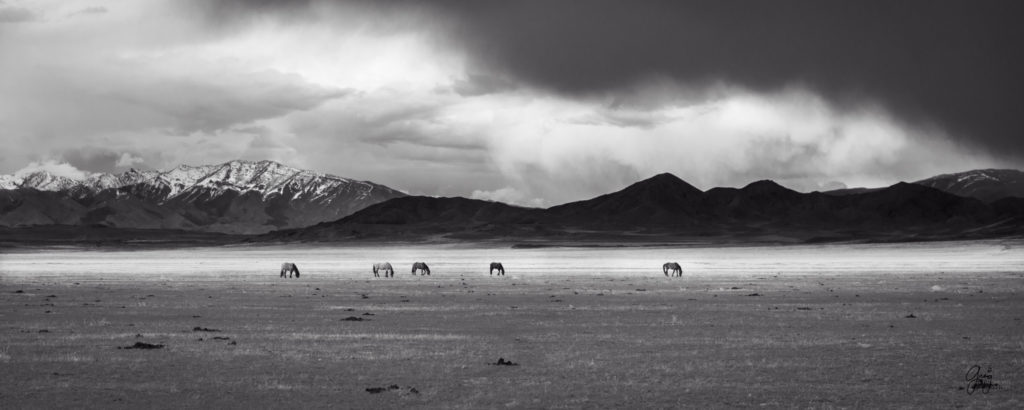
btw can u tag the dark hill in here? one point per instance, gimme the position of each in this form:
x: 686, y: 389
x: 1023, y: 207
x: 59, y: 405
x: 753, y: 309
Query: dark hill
x: 665, y: 206
x: 987, y: 185
x: 913, y: 204
x: 416, y: 217
x: 663, y: 199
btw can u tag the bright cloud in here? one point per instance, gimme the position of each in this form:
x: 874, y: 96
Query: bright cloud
x: 388, y: 100
x: 54, y: 167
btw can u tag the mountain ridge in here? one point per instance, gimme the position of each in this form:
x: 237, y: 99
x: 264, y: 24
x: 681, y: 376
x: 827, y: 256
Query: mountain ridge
x: 233, y: 197
x: 988, y: 185
x: 665, y: 206
x: 285, y: 203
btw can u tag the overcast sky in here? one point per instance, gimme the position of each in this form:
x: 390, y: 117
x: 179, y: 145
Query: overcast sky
x: 531, y: 102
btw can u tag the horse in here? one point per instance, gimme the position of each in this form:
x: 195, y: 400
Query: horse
x: 386, y: 267
x: 421, y: 267
x: 289, y: 268
x: 672, y: 267
x: 497, y: 265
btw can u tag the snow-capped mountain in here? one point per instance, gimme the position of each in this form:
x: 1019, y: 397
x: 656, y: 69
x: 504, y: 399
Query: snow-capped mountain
x: 45, y: 181
x: 985, y: 184
x: 235, y: 197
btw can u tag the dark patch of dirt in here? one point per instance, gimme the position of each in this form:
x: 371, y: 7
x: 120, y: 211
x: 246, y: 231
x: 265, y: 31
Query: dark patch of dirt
x: 221, y: 338
x: 368, y: 314
x: 143, y: 345
x: 353, y: 319
x: 502, y: 362
x: 910, y: 316
x: 375, y: 390
x: 392, y: 388
x: 754, y: 294
x: 204, y: 329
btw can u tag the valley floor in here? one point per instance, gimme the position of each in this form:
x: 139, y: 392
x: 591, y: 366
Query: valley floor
x: 768, y: 332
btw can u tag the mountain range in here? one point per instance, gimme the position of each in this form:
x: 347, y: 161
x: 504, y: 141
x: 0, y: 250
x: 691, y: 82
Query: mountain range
x: 289, y: 204
x: 666, y: 208
x: 241, y: 197
x: 988, y: 185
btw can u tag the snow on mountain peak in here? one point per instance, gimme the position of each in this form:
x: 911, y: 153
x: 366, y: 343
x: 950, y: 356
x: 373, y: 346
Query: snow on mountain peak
x: 264, y: 177
x: 45, y: 181
x: 9, y: 182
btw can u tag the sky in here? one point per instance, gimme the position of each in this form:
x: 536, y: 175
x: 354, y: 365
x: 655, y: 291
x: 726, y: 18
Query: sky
x: 534, y: 103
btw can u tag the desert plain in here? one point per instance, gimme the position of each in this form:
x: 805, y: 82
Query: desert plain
x: 809, y: 326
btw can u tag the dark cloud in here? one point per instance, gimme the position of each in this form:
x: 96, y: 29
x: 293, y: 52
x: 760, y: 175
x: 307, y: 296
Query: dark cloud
x: 90, y: 10
x: 951, y: 63
x: 16, y: 15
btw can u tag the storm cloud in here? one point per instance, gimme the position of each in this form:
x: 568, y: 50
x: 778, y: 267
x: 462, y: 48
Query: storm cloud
x: 954, y: 63
x: 531, y: 102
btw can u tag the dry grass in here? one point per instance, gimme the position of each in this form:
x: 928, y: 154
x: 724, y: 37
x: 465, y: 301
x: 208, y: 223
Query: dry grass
x: 580, y: 343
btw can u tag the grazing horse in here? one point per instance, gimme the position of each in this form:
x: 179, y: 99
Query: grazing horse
x: 497, y: 265
x: 289, y: 268
x: 672, y: 267
x: 386, y: 267
x: 421, y: 267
